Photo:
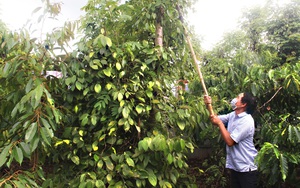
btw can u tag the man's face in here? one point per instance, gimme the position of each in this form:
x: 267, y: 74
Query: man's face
x: 239, y: 100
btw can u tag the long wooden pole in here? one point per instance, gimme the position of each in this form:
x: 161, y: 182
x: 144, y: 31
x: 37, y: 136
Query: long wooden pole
x: 209, y: 106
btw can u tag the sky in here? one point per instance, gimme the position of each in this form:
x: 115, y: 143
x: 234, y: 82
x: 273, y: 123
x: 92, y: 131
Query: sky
x: 15, y: 13
x: 211, y: 18
x: 15, y: 17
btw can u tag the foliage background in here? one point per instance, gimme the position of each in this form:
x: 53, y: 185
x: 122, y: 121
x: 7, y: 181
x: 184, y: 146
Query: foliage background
x: 113, y: 120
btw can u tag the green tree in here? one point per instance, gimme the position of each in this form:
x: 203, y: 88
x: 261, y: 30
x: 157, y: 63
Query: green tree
x: 262, y: 57
x: 112, y: 120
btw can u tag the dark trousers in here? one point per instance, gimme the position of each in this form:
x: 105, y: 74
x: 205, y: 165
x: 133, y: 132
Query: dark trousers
x: 244, y: 179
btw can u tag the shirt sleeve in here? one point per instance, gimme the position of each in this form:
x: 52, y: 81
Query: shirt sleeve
x: 224, y: 118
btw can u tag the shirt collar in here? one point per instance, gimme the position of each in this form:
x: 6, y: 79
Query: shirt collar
x: 242, y: 114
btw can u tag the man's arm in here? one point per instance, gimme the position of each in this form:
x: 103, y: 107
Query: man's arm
x: 225, y: 134
x: 217, y: 121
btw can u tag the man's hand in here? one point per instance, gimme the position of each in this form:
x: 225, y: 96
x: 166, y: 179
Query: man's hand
x: 215, y: 120
x: 207, y: 99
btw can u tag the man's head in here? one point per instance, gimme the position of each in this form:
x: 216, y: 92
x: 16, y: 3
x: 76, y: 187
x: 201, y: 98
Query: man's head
x: 246, y: 102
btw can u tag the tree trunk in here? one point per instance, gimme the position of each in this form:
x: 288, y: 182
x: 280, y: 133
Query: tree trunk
x: 159, y: 28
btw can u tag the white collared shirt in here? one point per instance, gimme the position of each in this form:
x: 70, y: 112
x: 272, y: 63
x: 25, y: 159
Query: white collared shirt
x: 240, y: 157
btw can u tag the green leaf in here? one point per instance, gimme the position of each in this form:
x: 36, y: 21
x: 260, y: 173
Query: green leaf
x: 118, y: 66
x: 108, y: 41
x: 18, y: 184
x: 122, y: 103
x: 4, y: 154
x: 122, y: 73
x: 120, y: 96
x: 150, y: 84
x: 6, y: 69
x: 181, y: 124
x: 126, y: 126
x: 139, y: 109
x: 75, y: 159
x: 100, y: 164
x: 109, y: 165
x: 149, y: 94
x: 34, y: 142
x: 99, y: 183
x: 182, y: 144
x: 102, y: 137
x: 30, y: 132
x: 93, y: 120
x: 68, y: 81
x: 18, y: 154
x: 144, y: 66
x: 38, y: 94
x: 179, y: 145
x: 158, y: 116
x: 95, y: 146
x: 126, y: 170
x: 138, y: 183
x: 152, y: 178
x: 83, y: 177
x: 276, y: 152
x: 7, y: 186
x: 45, y: 135
x: 297, y: 132
x: 143, y: 145
x: 254, y: 88
x: 108, y: 86
x: 82, y: 185
x: 125, y: 112
x: 80, y: 132
x: 170, y: 158
x: 26, y: 149
x: 107, y: 72
x: 57, y: 143
x: 78, y: 85
x: 91, y: 54
x: 47, y: 125
x: 97, y: 88
x: 29, y: 86
x: 102, y: 41
x: 109, y: 177
x: 173, y: 178
x: 121, y: 121
x: 95, y: 67
x: 283, y: 167
x: 129, y: 161
x: 17, y: 108
x: 271, y: 74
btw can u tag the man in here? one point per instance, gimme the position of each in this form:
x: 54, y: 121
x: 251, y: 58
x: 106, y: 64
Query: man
x: 240, y: 149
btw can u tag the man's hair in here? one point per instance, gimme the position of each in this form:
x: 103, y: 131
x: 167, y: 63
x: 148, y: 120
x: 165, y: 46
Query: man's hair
x: 250, y: 101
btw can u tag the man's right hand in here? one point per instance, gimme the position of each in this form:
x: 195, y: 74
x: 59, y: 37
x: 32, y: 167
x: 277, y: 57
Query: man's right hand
x: 207, y: 99
x: 215, y: 120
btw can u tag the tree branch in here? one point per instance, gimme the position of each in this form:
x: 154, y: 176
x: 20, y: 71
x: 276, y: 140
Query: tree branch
x: 270, y: 99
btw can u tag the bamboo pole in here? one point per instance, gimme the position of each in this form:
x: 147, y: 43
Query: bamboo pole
x: 209, y: 106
